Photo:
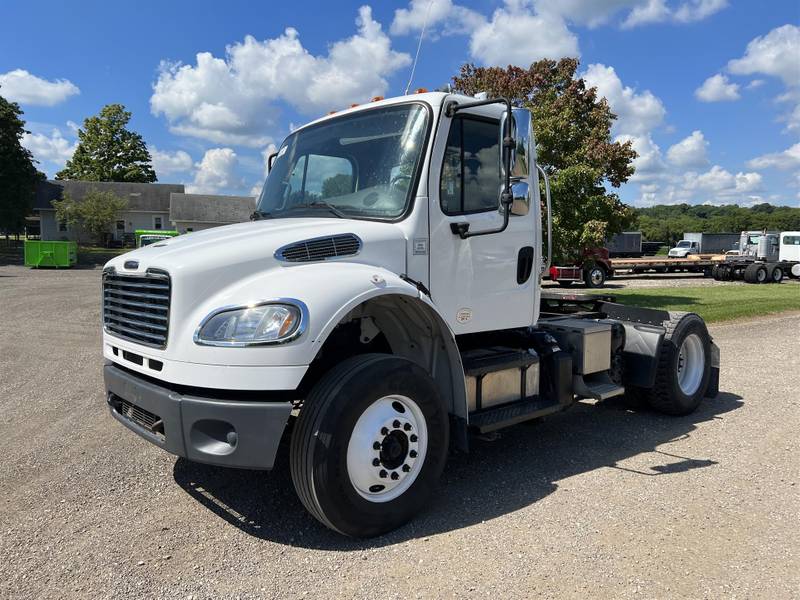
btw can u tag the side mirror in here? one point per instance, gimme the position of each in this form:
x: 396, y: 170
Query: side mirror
x: 271, y: 159
x: 522, y: 132
x: 521, y: 198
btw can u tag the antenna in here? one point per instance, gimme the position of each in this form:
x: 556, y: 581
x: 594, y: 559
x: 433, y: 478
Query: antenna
x: 419, y: 45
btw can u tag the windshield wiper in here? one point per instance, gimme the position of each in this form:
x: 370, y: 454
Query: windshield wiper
x: 260, y: 214
x: 322, y: 204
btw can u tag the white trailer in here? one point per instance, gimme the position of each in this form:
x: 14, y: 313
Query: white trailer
x: 385, y: 304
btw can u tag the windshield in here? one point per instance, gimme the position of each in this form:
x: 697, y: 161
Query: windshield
x: 357, y: 166
x: 684, y: 244
x: 147, y: 240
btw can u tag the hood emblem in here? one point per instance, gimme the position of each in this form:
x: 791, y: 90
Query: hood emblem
x: 132, y: 264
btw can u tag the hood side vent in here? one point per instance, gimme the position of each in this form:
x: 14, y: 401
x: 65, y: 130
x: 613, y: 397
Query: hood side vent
x: 322, y: 248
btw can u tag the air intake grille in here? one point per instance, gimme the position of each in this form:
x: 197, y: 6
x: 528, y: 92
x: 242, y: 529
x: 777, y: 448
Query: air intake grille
x: 322, y: 248
x: 143, y: 418
x: 136, y: 307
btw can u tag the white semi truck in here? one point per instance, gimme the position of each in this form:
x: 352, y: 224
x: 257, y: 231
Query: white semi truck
x: 762, y: 257
x: 385, y: 303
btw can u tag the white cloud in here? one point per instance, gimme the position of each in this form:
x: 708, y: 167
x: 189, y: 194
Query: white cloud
x: 788, y: 159
x: 53, y: 148
x: 517, y: 35
x: 657, y: 11
x: 216, y: 173
x: 648, y: 164
x: 715, y: 186
x: 717, y: 88
x: 689, y: 152
x: 23, y: 87
x: 233, y: 100
x: 756, y: 83
x: 452, y: 18
x: 774, y: 54
x: 638, y: 113
x: 166, y: 163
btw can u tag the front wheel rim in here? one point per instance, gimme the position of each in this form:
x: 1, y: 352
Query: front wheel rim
x: 387, y: 448
x: 596, y: 276
x: 691, y: 364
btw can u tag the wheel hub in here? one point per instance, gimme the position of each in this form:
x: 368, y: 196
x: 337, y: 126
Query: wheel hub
x: 691, y: 364
x: 387, y: 448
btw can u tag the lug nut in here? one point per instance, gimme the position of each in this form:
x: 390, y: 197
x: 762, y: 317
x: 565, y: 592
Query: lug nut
x: 396, y: 424
x: 413, y: 454
x: 406, y: 468
x: 376, y: 462
x: 382, y: 474
x: 384, y: 431
x: 407, y: 426
x: 395, y: 476
x: 413, y: 438
x: 376, y: 446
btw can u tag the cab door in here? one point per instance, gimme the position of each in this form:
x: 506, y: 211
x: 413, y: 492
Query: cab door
x: 486, y: 282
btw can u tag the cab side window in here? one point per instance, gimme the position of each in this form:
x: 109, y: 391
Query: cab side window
x: 470, y: 180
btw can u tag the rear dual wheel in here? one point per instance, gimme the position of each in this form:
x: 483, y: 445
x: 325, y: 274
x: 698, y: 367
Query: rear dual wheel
x: 370, y: 444
x: 594, y: 276
x: 684, y: 366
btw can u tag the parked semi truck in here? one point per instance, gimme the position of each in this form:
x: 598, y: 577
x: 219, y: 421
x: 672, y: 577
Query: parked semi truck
x: 386, y: 302
x: 762, y: 257
x: 704, y: 243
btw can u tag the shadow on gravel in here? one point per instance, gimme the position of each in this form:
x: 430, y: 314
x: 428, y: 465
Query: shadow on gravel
x: 521, y: 466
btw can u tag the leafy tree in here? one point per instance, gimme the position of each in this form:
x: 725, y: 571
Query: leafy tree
x: 18, y: 175
x: 94, y: 213
x: 108, y: 151
x: 572, y: 127
x: 337, y: 185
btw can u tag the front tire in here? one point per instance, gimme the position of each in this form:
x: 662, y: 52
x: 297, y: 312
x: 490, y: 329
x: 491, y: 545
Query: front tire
x: 594, y: 277
x: 370, y: 445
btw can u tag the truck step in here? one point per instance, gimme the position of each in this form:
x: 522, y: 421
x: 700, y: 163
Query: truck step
x: 490, y: 419
x: 599, y: 387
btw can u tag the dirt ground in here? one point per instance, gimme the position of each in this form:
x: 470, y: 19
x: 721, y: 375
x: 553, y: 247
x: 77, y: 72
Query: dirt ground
x: 595, y: 502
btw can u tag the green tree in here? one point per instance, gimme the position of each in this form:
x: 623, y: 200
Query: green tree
x: 337, y: 185
x: 18, y: 174
x: 573, y: 140
x: 108, y: 151
x: 94, y: 213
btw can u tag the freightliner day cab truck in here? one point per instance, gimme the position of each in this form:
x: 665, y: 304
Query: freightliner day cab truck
x: 386, y: 302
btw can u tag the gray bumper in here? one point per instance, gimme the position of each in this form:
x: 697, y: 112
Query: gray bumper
x: 229, y: 433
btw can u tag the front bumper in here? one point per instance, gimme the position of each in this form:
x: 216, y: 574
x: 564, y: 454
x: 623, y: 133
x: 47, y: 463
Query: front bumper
x: 229, y: 433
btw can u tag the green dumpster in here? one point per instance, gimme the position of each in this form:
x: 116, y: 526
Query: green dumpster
x: 39, y: 253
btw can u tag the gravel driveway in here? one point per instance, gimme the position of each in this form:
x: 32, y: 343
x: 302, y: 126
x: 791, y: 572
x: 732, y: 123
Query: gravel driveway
x: 595, y: 502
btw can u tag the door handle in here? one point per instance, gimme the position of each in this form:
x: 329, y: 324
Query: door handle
x: 460, y: 229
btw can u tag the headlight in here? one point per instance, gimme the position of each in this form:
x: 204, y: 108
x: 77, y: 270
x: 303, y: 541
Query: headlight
x: 272, y: 322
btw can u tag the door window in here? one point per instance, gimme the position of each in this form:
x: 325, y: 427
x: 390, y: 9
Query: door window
x: 470, y: 180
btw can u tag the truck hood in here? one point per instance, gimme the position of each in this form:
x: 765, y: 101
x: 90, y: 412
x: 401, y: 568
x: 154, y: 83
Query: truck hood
x: 222, y: 255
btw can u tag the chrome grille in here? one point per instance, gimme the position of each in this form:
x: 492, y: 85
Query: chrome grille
x: 321, y: 248
x: 136, y: 307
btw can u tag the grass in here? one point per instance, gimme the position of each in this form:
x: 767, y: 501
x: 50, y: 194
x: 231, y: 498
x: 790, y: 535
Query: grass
x: 717, y: 302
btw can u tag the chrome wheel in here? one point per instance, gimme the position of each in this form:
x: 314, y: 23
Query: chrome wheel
x: 691, y: 364
x: 596, y: 276
x: 387, y: 448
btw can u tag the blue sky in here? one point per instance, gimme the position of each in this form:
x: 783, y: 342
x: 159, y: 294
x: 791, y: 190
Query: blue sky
x: 708, y: 91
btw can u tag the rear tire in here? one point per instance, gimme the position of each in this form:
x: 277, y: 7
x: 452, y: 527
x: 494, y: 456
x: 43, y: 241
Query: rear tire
x: 756, y: 273
x: 370, y: 445
x: 684, y: 366
x: 776, y: 274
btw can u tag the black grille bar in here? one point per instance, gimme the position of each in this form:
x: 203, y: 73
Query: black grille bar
x: 136, y: 307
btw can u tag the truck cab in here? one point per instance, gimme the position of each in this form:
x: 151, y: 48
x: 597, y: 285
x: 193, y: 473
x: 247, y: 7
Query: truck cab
x: 384, y: 304
x: 684, y: 248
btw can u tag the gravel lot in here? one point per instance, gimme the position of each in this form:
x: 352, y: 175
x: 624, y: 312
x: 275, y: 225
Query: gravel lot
x: 595, y: 502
